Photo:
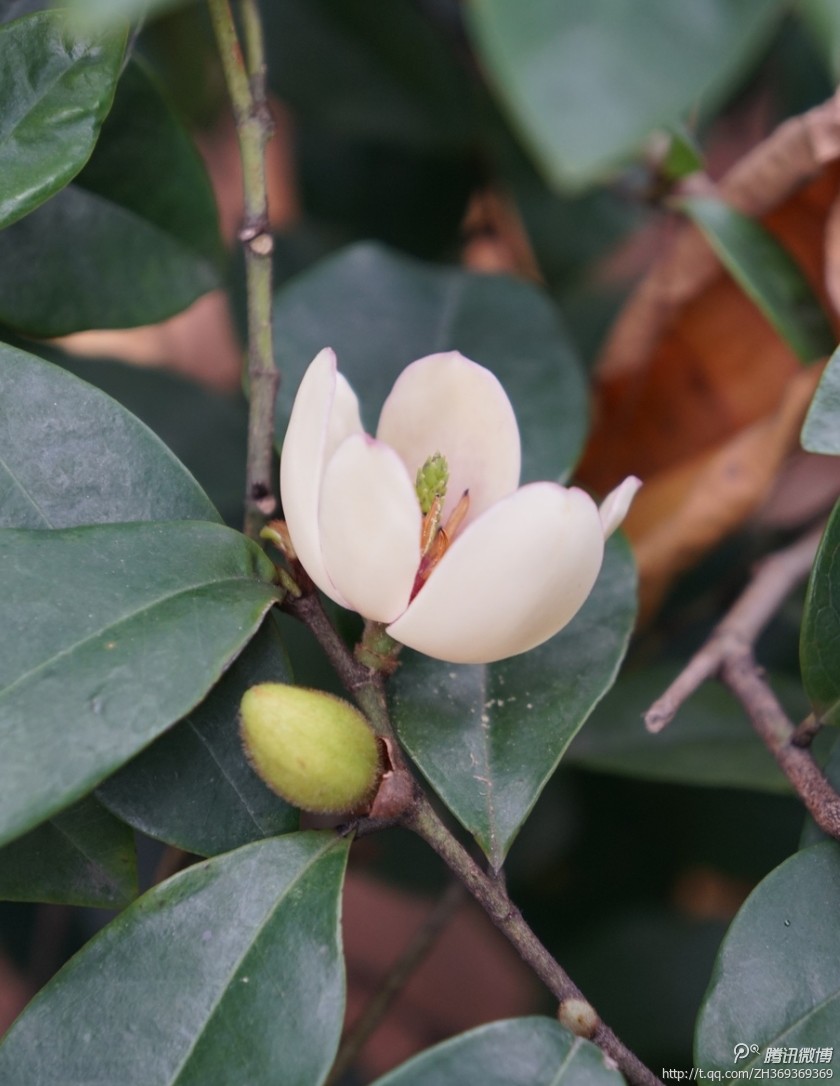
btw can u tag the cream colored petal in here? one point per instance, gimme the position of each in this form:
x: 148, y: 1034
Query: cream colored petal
x: 512, y: 580
x: 613, y: 508
x: 445, y: 403
x: 324, y: 413
x: 370, y: 524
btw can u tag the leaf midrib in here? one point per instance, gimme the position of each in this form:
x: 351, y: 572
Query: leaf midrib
x: 225, y: 988
x: 129, y: 617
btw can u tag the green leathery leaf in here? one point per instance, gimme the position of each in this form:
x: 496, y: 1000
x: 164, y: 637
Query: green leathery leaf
x: 233, y: 969
x: 71, y: 455
x: 766, y: 273
x: 777, y: 978
x: 518, y: 1052
x: 193, y: 787
x: 57, y: 85
x: 132, y: 240
x: 83, y: 856
x: 819, y: 640
x: 821, y: 430
x: 380, y: 311
x: 586, y: 81
x: 110, y: 633
x: 488, y: 736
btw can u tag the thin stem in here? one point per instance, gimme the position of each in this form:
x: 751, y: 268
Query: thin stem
x: 246, y: 84
x: 743, y: 677
x: 413, y: 956
x: 491, y: 895
x: 774, y: 579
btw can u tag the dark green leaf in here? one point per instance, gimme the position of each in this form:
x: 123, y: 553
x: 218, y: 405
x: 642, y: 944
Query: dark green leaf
x: 230, y: 972
x: 205, y: 429
x: 710, y: 742
x: 70, y: 455
x: 518, y: 1052
x: 819, y: 645
x: 56, y: 85
x: 83, y: 856
x: 777, y: 978
x: 194, y: 787
x: 380, y: 311
x: 766, y: 273
x: 821, y: 432
x: 588, y: 80
x: 110, y: 634
x: 488, y: 737
x: 131, y: 241
x: 373, y: 69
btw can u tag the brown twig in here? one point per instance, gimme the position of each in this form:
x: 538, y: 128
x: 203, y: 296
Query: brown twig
x: 743, y: 677
x: 774, y: 579
x: 729, y: 655
x: 413, y: 956
x: 366, y: 686
x: 492, y: 896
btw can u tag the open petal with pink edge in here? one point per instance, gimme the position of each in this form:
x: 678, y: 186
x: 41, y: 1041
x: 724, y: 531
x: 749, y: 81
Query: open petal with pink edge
x: 370, y: 527
x: 484, y: 571
x: 445, y: 403
x: 514, y: 578
x: 614, y: 507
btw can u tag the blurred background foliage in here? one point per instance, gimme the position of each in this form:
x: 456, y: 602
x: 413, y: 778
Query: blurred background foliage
x: 556, y: 144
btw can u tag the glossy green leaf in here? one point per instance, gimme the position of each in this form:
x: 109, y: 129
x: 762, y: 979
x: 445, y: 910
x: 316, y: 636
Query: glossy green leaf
x: 586, y: 81
x: 57, y: 85
x: 230, y: 972
x: 110, y: 634
x: 71, y: 455
x: 777, y: 979
x: 194, y: 787
x: 819, y: 643
x: 83, y: 856
x: 766, y: 273
x: 380, y: 311
x: 518, y: 1052
x: 821, y: 431
x: 131, y: 241
x: 710, y: 742
x: 205, y: 429
x: 488, y: 737
x: 377, y: 70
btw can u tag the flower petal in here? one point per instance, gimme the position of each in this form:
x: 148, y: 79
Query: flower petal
x: 445, y: 403
x: 370, y: 524
x: 512, y: 579
x: 613, y: 508
x: 324, y: 413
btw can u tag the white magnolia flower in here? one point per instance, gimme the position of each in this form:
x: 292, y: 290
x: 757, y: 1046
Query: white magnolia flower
x: 492, y: 569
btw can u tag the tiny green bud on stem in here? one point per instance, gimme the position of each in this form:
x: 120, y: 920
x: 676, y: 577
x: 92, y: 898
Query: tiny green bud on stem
x: 317, y: 751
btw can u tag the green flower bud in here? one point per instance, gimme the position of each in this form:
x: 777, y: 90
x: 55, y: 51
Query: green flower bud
x: 431, y: 482
x: 315, y: 750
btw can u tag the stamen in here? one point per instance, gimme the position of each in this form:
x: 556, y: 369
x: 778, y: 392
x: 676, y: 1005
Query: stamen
x: 434, y: 540
x: 430, y: 525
